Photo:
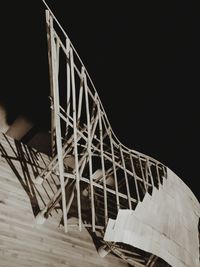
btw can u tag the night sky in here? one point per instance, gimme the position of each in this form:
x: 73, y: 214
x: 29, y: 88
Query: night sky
x: 143, y: 59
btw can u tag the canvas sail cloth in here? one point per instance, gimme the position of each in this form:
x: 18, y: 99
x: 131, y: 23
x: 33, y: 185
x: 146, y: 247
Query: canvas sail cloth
x: 164, y: 223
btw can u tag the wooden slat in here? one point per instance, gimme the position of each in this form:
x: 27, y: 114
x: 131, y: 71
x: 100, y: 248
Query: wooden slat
x: 103, y: 168
x: 54, y: 65
x: 89, y: 152
x: 75, y: 137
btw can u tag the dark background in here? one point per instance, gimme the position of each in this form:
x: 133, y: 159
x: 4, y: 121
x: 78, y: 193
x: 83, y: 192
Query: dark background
x: 142, y: 57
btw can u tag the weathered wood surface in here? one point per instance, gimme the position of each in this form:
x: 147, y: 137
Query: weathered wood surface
x: 23, y: 243
x: 164, y: 224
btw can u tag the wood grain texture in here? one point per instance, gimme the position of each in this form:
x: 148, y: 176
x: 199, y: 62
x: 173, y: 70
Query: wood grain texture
x: 23, y: 243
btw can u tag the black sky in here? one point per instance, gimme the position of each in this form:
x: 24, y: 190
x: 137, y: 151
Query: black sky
x: 143, y: 59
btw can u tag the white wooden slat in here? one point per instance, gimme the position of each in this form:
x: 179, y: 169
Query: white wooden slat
x: 89, y: 152
x: 126, y: 179
x: 103, y: 167
x: 57, y: 121
x: 75, y: 137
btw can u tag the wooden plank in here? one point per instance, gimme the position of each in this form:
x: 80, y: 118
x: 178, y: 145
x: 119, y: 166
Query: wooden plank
x: 55, y: 86
x: 103, y: 167
x: 89, y: 144
x: 75, y: 137
x: 126, y: 178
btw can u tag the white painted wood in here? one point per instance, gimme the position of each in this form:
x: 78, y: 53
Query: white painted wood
x: 126, y: 179
x: 89, y: 152
x: 55, y: 91
x: 75, y: 137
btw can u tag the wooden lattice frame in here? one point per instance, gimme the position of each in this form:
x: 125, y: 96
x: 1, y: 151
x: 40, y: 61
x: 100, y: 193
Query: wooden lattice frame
x: 92, y: 164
